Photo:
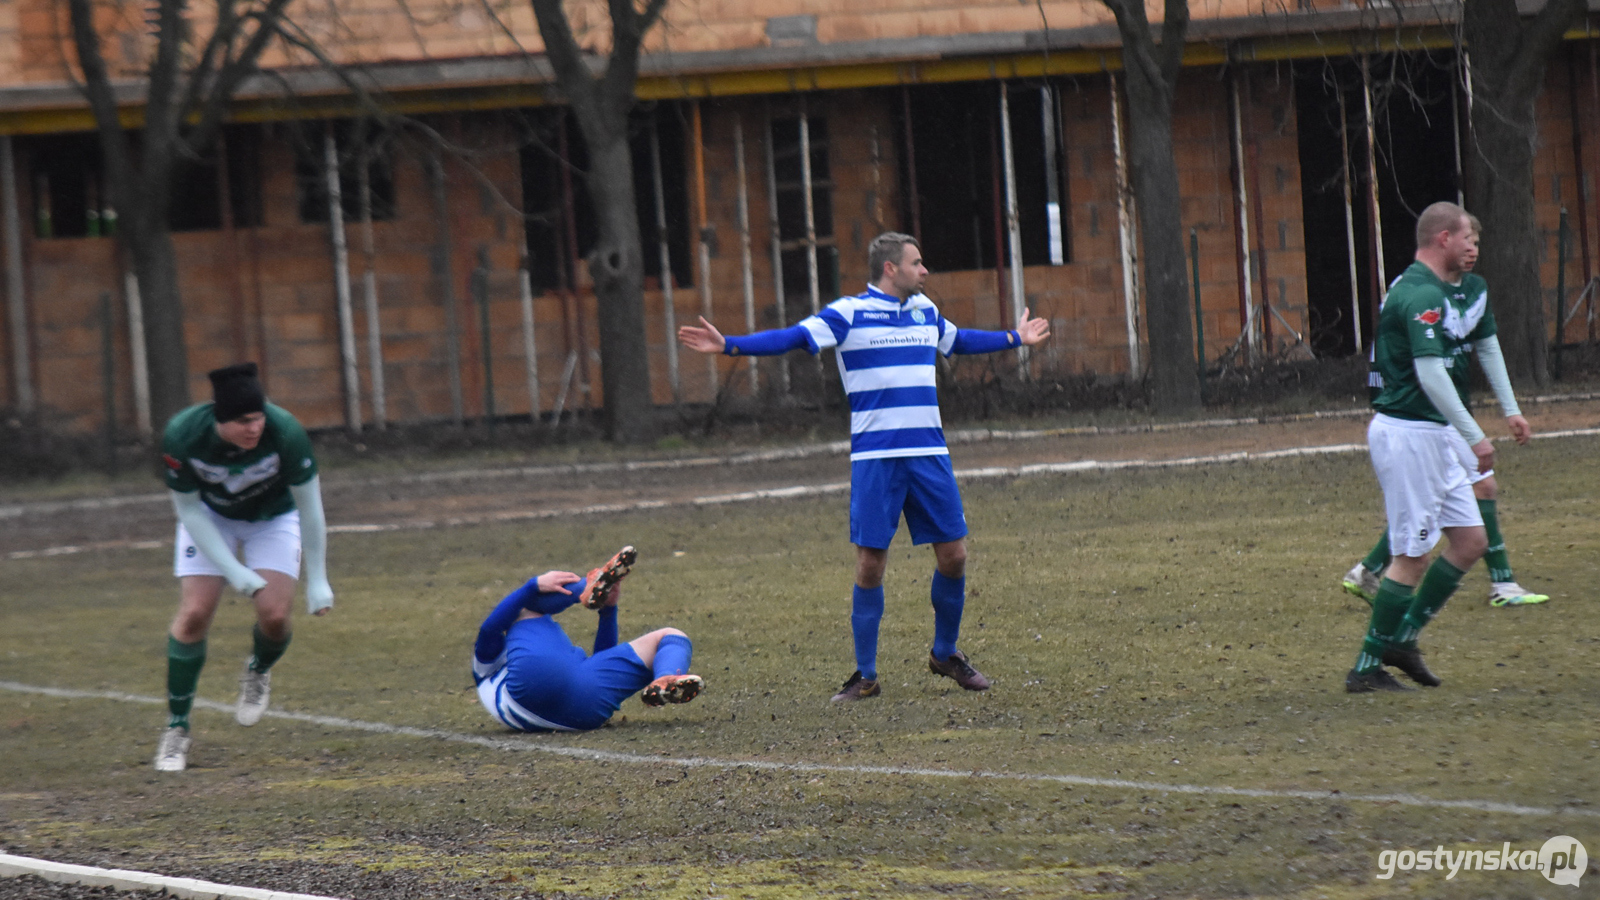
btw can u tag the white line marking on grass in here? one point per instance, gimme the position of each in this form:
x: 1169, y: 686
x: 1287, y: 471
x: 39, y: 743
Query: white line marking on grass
x: 535, y: 744
x: 805, y: 451
x: 129, y: 880
x: 784, y: 493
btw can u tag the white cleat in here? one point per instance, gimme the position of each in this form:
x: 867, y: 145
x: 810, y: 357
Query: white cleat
x: 1509, y: 593
x: 173, y: 753
x: 255, y: 691
x: 1362, y: 582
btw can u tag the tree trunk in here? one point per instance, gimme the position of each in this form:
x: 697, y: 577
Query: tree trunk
x: 1499, y: 189
x: 155, y: 263
x: 1508, y: 56
x: 617, y: 266
x: 1174, y: 377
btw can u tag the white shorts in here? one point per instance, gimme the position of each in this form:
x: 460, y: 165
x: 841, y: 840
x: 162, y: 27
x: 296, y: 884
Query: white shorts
x: 273, y: 544
x: 1425, y: 486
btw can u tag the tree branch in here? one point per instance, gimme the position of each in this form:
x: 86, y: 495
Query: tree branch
x: 102, y: 99
x: 269, y: 21
x: 572, y: 74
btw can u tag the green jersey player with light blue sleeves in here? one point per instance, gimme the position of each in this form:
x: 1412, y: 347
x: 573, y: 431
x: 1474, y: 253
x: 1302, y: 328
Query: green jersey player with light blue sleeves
x: 1431, y: 312
x: 242, y: 477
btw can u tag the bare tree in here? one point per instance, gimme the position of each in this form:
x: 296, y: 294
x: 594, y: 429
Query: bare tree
x: 189, y: 81
x: 1151, y: 74
x: 1507, y: 59
x: 601, y: 102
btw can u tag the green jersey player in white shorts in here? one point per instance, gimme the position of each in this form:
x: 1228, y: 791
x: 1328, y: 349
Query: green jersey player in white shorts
x: 1363, y: 578
x: 1432, y: 312
x: 242, y: 478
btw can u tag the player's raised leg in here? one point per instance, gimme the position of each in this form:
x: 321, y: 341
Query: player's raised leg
x: 1363, y: 578
x: 1503, y: 587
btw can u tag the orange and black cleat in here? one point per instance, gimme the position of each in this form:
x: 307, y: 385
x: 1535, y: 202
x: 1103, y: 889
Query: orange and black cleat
x: 672, y: 689
x: 603, y: 581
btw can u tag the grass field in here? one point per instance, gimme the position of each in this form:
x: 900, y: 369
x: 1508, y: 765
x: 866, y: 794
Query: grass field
x: 1144, y: 629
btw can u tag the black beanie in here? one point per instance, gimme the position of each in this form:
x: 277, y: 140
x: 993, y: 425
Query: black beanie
x: 237, y: 392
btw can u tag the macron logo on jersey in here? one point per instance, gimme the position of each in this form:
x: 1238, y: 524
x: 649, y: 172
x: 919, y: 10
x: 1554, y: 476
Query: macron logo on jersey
x: 1429, y: 316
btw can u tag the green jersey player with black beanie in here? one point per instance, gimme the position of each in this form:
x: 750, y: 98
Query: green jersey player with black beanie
x: 243, y: 481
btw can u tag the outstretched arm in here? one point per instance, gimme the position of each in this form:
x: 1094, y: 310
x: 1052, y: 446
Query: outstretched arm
x: 705, y: 338
x: 1029, y: 331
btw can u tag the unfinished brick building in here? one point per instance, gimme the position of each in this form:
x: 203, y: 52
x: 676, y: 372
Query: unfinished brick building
x: 773, y: 141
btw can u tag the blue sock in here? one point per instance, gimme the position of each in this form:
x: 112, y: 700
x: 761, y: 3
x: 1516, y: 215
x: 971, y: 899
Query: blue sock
x: 866, y: 611
x: 949, y: 596
x: 672, y: 656
x: 605, y: 629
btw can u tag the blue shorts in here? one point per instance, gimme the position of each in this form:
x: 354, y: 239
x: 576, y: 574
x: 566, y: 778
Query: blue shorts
x: 548, y: 684
x: 923, y: 487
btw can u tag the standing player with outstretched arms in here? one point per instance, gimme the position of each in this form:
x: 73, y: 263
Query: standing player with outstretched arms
x: 1431, y: 313
x: 887, y: 341
x: 241, y: 476
x: 1364, y: 577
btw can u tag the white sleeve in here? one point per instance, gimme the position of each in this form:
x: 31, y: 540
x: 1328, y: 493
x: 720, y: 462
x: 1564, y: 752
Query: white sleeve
x: 1436, y: 383
x: 314, y: 541
x: 192, y: 513
x: 1494, y: 369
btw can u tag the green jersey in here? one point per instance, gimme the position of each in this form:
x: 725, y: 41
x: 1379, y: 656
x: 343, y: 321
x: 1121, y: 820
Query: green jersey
x: 1424, y: 316
x: 247, y: 485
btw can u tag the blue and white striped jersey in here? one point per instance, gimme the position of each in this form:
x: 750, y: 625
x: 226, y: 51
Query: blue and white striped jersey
x: 887, y: 352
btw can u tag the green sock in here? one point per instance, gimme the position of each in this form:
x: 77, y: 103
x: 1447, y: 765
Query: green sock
x: 184, y: 662
x: 1388, y: 610
x: 1499, y: 562
x: 1437, y: 585
x: 266, y: 650
x: 1379, y: 557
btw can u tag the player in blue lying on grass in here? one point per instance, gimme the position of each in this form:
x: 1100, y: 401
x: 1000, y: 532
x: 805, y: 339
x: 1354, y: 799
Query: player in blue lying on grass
x: 888, y: 340
x: 531, y: 677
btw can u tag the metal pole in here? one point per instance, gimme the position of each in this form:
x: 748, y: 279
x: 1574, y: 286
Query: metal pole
x: 1243, y: 264
x: 1013, y: 226
x: 369, y: 291
x: 810, y: 205
x: 777, y: 250
x: 997, y: 196
x: 706, y: 233
x: 1561, y: 294
x: 566, y: 382
x: 16, y: 299
x: 108, y: 388
x: 137, y: 355
x: 341, y: 281
x: 1577, y: 164
x: 1052, y: 177
x: 1130, y: 286
x: 1349, y: 226
x: 1375, y: 238
x: 911, y: 167
x: 1199, y: 314
x: 811, y: 222
x: 665, y: 253
x: 744, y: 245
x: 230, y: 243
x: 1254, y: 158
x: 530, y: 347
x: 570, y: 216
x: 1455, y: 134
x: 446, y: 280
x: 480, y: 295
